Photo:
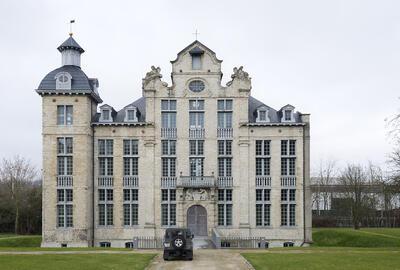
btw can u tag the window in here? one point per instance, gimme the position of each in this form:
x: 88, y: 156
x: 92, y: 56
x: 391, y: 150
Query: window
x: 224, y: 158
x: 288, y: 159
x: 129, y: 245
x: 105, y: 244
x: 105, y: 115
x: 63, y: 81
x: 106, y: 213
x: 196, y: 86
x: 131, y: 159
x: 224, y: 167
x: 263, y: 159
x: 196, y: 113
x: 168, y: 159
x: 168, y: 167
x: 225, y: 113
x: 168, y: 147
x: 224, y: 207
x: 106, y: 166
x: 196, y: 166
x: 168, y: 113
x: 64, y: 208
x: 288, y: 207
x: 64, y: 156
x: 225, y: 147
x: 196, y: 147
x: 131, y: 207
x: 131, y: 114
x: 263, y: 207
x: 168, y: 207
x: 196, y: 61
x: 288, y: 115
x: 288, y: 244
x: 262, y: 114
x: 64, y: 115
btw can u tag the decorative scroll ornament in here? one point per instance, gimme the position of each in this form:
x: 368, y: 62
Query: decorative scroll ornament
x: 153, y: 74
x: 239, y: 74
x: 196, y: 195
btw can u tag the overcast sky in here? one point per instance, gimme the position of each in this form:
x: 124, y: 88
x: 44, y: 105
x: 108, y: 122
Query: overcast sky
x: 338, y: 60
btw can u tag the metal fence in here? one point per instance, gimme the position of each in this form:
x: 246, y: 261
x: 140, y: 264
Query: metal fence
x: 220, y: 241
x: 147, y: 242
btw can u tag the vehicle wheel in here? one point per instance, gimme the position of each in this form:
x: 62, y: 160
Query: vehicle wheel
x: 179, y: 242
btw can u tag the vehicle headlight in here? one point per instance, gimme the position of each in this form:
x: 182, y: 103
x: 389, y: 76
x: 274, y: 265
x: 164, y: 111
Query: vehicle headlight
x: 167, y: 245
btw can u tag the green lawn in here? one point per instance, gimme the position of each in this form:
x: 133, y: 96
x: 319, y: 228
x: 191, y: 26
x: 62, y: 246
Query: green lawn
x: 129, y: 261
x: 336, y: 249
x: 338, y: 237
x: 20, y: 240
x: 327, y: 259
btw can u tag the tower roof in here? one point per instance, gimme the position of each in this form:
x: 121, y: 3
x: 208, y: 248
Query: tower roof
x: 70, y: 44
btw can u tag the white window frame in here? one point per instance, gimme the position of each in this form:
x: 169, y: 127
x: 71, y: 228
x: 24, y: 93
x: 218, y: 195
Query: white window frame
x: 63, y: 85
x: 286, y: 109
x: 135, y: 118
x: 67, y: 116
x: 265, y: 110
x: 102, y: 113
x: 224, y: 204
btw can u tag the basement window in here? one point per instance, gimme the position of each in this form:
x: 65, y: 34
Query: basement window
x: 105, y: 244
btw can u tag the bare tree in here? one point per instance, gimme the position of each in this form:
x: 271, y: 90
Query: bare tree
x: 353, y: 179
x: 16, y: 175
x: 326, y: 177
x: 394, y: 162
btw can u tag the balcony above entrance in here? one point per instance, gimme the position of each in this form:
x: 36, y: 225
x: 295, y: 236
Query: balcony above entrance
x: 196, y: 181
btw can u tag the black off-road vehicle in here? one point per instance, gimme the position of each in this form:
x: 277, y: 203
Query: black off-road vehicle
x: 178, y: 244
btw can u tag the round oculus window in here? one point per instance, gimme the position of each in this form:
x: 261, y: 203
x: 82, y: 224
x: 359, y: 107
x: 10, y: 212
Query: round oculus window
x: 196, y: 86
x: 63, y: 78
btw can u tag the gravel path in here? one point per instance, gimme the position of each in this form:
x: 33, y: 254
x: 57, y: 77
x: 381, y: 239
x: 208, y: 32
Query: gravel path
x: 209, y: 259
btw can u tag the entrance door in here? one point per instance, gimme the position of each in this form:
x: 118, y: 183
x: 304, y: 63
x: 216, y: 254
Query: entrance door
x: 197, y: 220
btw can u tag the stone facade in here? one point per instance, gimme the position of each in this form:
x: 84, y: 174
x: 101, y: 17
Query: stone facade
x: 192, y: 187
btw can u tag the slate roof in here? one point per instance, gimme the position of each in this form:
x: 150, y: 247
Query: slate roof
x: 199, y: 44
x: 80, y: 83
x: 119, y: 117
x: 274, y: 115
x: 70, y: 43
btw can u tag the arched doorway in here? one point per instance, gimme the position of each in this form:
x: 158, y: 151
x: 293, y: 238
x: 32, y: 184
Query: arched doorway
x: 197, y: 220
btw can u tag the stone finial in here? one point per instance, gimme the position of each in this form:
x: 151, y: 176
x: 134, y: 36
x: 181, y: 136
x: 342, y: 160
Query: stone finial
x: 239, y: 74
x: 153, y: 74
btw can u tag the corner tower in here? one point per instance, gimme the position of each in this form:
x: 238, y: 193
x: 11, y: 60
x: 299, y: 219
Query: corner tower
x: 69, y: 102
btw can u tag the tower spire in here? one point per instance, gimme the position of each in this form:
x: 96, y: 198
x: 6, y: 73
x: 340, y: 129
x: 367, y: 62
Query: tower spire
x: 70, y: 27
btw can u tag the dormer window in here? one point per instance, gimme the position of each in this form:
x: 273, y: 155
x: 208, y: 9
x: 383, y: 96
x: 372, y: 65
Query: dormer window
x: 196, y: 53
x: 63, y: 81
x: 287, y: 113
x: 105, y: 113
x: 131, y: 114
x: 196, y: 61
x: 262, y: 114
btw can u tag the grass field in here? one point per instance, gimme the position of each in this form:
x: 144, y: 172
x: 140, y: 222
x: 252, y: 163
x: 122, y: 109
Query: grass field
x: 129, y: 261
x: 327, y: 259
x: 336, y: 249
x: 356, y: 238
x: 10, y: 240
x: 333, y: 249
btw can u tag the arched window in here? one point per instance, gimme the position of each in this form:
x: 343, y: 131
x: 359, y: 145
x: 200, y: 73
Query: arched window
x: 63, y: 81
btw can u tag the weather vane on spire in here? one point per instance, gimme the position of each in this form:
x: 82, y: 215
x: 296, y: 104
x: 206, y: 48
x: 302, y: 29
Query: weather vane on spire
x: 196, y: 33
x: 70, y: 27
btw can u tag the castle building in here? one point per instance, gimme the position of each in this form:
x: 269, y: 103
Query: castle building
x: 193, y: 154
